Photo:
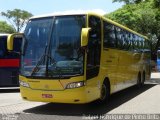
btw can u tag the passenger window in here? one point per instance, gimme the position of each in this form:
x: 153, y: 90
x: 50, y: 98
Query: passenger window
x: 126, y: 40
x: 120, y: 41
x: 109, y: 35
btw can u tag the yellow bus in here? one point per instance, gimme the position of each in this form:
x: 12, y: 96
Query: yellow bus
x: 79, y: 58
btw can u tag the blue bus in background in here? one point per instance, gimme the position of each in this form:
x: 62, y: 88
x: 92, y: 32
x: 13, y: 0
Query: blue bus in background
x: 9, y: 62
x: 158, y: 60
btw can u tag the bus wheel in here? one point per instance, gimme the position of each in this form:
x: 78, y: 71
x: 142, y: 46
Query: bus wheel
x: 139, y: 80
x: 105, y: 93
x: 143, y: 78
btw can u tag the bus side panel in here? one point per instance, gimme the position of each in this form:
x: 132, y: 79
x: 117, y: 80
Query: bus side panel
x: 109, y: 66
x: 125, y: 69
x: 146, y: 57
x: 93, y: 88
x: 137, y: 63
x: 9, y: 77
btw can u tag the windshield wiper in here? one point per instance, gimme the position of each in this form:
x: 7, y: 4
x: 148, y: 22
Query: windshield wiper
x: 42, y: 61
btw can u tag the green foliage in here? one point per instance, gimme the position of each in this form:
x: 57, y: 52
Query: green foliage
x: 130, y: 1
x: 125, y: 16
x: 5, y: 28
x: 17, y: 18
x: 125, y: 1
x: 143, y: 17
x: 157, y: 3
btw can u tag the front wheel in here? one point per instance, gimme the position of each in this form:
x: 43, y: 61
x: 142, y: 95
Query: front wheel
x: 143, y: 78
x: 105, y: 93
x: 139, y: 80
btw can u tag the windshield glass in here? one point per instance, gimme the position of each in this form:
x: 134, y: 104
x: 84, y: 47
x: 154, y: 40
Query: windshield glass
x: 53, y: 47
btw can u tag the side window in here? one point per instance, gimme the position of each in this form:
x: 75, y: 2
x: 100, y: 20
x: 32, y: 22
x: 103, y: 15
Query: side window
x: 94, y: 47
x: 120, y: 41
x: 123, y: 39
x: 130, y: 41
x: 136, y: 43
x: 147, y: 44
x: 140, y: 43
x: 109, y: 35
x: 126, y: 40
x: 143, y: 43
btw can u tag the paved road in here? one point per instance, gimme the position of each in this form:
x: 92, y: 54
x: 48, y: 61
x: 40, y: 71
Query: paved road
x: 130, y: 101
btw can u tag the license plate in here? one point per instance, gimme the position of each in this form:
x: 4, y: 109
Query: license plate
x: 47, y: 96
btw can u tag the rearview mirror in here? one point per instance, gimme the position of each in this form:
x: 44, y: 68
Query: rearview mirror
x: 84, y: 36
x: 11, y: 39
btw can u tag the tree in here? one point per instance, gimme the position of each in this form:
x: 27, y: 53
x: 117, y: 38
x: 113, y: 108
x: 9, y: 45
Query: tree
x: 143, y: 17
x: 157, y: 3
x: 5, y: 28
x: 125, y: 16
x: 130, y: 1
x: 17, y: 18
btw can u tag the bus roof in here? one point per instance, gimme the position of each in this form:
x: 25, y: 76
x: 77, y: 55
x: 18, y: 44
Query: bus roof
x: 4, y: 34
x: 61, y: 14
x: 67, y: 13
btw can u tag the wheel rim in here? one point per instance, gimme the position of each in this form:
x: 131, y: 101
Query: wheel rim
x: 103, y: 92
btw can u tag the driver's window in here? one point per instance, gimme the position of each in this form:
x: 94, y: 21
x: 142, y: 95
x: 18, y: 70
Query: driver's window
x: 94, y: 47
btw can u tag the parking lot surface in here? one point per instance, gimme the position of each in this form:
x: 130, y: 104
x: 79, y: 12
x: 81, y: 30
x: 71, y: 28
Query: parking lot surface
x: 130, y: 101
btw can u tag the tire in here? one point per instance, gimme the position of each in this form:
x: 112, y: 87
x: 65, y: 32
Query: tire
x: 139, y: 80
x: 105, y: 93
x: 143, y: 79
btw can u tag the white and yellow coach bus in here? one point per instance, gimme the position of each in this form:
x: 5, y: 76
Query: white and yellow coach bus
x: 79, y: 58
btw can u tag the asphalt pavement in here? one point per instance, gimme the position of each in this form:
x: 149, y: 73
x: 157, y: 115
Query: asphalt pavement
x: 129, y: 103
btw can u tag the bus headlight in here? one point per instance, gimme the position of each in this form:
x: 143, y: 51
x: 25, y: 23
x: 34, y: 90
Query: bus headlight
x: 24, y: 84
x: 75, y: 85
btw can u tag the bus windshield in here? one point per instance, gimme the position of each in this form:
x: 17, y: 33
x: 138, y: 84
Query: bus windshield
x: 53, y: 47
